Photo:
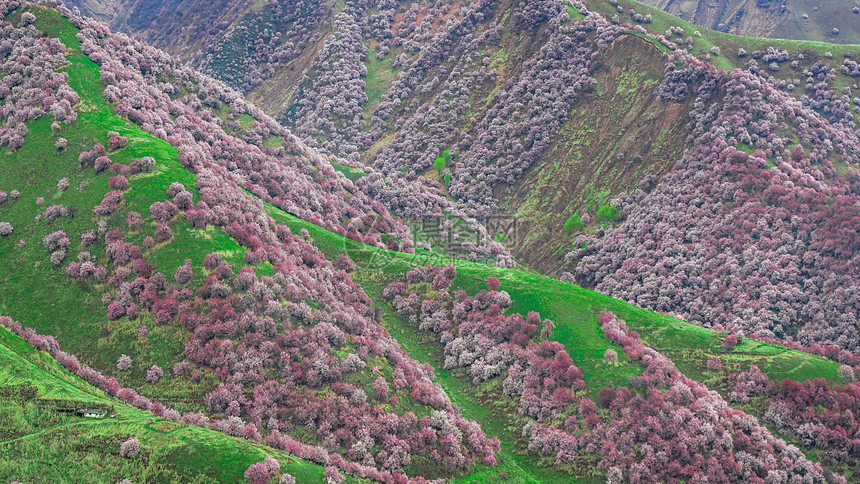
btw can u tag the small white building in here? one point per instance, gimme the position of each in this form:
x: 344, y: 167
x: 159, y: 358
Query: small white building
x: 92, y: 412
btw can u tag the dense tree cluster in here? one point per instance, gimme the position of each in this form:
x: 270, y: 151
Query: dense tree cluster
x: 522, y: 120
x: 332, y: 96
x: 762, y: 243
x: 424, y: 131
x: 330, y: 115
x: 143, y: 82
x: 818, y: 415
x: 455, y: 38
x: 289, y: 349
x: 297, y: 342
x: 415, y: 200
x: 436, y: 100
x: 682, y: 430
x: 263, y: 472
x: 525, y: 118
x: 687, y: 432
x: 232, y: 425
x: 478, y: 336
x: 328, y: 111
x: 31, y: 85
x: 425, y: 36
x: 159, y: 22
x: 261, y: 43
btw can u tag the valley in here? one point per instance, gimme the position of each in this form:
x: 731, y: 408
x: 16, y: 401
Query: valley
x: 425, y: 241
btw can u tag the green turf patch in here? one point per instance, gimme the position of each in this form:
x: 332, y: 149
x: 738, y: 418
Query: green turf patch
x: 39, y: 444
x: 575, y: 312
x: 44, y: 297
x: 380, y: 75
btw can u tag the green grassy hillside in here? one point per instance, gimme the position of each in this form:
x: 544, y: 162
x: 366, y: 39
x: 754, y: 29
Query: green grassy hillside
x: 36, y: 442
x: 575, y: 312
x: 40, y: 294
x: 588, y: 162
x: 616, y: 135
x: 39, y: 444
